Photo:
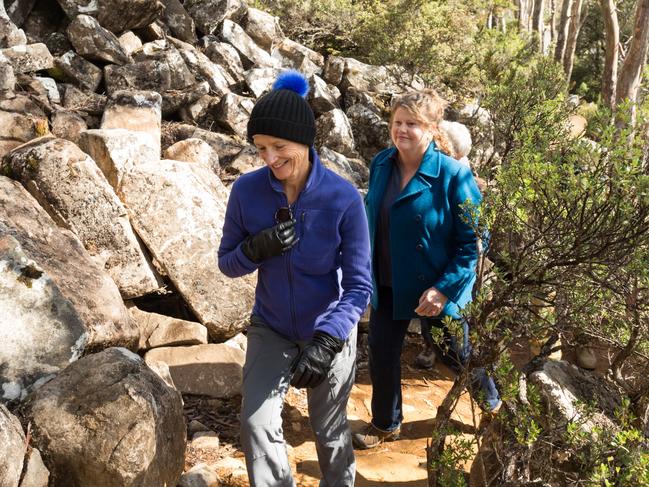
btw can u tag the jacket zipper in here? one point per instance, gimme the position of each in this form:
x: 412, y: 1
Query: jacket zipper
x: 289, y: 271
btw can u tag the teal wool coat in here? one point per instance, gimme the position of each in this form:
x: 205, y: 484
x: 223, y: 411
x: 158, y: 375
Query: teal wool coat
x: 431, y: 243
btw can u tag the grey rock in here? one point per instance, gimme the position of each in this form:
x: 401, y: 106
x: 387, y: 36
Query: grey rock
x: 115, y: 15
x: 164, y: 52
x: 174, y: 100
x: 159, y: 330
x: 322, y: 97
x: 200, y: 475
x: 57, y: 43
x: 251, y: 54
x: 68, y: 125
x: 28, y: 58
x: 263, y: 28
x: 233, y: 113
x: 146, y: 75
x: 177, y: 209
x: 208, y: 14
x: 92, y: 41
x: 36, y: 473
x: 18, y: 10
x: 129, y: 42
x: 339, y: 164
x: 193, y: 150
x: 19, y: 127
x: 217, y: 77
x: 45, y: 19
x: 10, y: 34
x: 68, y: 305
x: 179, y: 21
x: 199, y: 111
x: 12, y: 448
x: 50, y: 88
x: 385, y: 80
x: 7, y: 78
x: 371, y: 131
x: 214, y: 369
x: 293, y: 55
x: 80, y: 101
x: 260, y: 80
x: 333, y: 70
x: 72, y: 68
x: 108, y: 420
x: 245, y: 161
x: 225, y: 55
x: 334, y: 131
x: 72, y: 189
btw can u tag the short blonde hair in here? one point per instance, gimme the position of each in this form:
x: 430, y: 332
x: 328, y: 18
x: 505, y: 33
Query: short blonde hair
x: 427, y: 107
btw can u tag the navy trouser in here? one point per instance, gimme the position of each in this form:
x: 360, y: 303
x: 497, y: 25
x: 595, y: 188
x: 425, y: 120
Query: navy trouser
x: 385, y: 344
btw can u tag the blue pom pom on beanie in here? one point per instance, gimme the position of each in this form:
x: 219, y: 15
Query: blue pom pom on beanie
x: 284, y: 112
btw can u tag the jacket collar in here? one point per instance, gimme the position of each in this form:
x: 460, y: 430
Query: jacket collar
x: 312, y: 180
x: 430, y: 163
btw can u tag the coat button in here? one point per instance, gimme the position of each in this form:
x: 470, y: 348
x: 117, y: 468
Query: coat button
x: 417, y: 218
x: 421, y: 277
x: 419, y: 247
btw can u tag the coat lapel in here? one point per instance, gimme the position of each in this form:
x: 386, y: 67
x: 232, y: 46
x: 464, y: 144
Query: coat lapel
x: 429, y: 168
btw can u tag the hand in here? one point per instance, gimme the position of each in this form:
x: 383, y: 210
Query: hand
x: 315, y: 361
x: 270, y: 242
x: 431, y: 303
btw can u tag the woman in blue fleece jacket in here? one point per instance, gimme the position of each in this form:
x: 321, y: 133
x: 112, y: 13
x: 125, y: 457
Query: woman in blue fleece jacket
x: 424, y: 255
x: 304, y: 230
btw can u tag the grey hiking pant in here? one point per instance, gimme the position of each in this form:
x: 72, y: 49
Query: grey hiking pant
x: 266, y: 376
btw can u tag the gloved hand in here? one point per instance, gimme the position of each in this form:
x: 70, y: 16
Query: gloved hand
x: 315, y: 361
x: 270, y: 242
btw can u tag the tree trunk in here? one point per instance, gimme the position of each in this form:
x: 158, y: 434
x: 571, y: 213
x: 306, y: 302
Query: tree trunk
x: 537, y: 21
x: 562, y: 31
x: 571, y: 41
x: 631, y: 71
x: 553, y: 21
x: 609, y: 75
x: 523, y: 15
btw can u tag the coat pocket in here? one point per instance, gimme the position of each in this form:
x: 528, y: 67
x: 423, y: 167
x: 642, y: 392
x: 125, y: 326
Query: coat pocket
x: 318, y: 249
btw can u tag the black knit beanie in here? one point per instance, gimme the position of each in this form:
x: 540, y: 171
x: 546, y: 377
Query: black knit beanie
x: 283, y: 112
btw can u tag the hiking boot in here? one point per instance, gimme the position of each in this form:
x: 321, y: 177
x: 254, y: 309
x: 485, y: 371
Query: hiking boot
x: 371, y: 437
x: 425, y: 359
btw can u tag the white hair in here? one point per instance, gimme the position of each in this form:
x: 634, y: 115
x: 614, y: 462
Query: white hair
x: 459, y: 137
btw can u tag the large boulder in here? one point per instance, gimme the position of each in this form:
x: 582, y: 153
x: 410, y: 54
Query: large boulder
x: 334, y: 131
x: 25, y: 59
x: 371, y: 131
x: 10, y: 34
x: 377, y: 79
x: 251, y: 54
x: 20, y: 122
x: 12, y: 448
x: 179, y: 21
x: 108, y: 420
x: 49, y: 272
x: 263, y: 28
x: 92, y: 41
x: 226, y: 56
x: 214, y: 369
x: 178, y: 208
x: 116, y: 15
x: 293, y: 55
x: 70, y: 186
x: 208, y: 14
x: 71, y: 67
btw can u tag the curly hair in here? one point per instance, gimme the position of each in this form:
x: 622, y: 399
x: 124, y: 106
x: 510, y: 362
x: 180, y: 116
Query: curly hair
x: 427, y: 107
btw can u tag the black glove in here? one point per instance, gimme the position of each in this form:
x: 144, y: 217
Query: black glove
x: 270, y: 242
x: 315, y: 361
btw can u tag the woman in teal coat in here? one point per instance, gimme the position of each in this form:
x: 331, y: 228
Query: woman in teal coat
x: 424, y: 254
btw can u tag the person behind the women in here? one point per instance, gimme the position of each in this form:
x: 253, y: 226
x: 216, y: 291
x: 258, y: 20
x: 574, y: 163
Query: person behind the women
x: 304, y: 230
x: 424, y: 255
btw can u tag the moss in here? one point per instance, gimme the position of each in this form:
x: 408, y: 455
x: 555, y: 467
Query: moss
x: 5, y: 169
x: 32, y: 162
x: 41, y: 127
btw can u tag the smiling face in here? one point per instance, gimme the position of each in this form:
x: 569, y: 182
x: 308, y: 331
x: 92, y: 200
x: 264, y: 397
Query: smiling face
x: 289, y: 161
x: 409, y: 135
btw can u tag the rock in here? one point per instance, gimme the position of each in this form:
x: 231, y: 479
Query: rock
x: 226, y: 56
x: 251, y: 54
x: 334, y: 131
x: 175, y: 100
x: 199, y: 111
x: 371, y: 131
x: 207, y: 440
x: 263, y: 28
x: 208, y: 14
x: 232, y: 472
x: 245, y: 161
x: 129, y: 42
x: 71, y: 188
x: 226, y: 146
x: 117, y: 151
x: 146, y: 75
x: 92, y: 41
x: 162, y: 370
x: 177, y: 208
x: 260, y: 80
x: 18, y: 10
x: 193, y: 150
x: 68, y: 125
x: 378, y: 79
x: 339, y: 164
x: 42, y: 332
x: 567, y: 388
x: 200, y: 475
x: 217, y: 77
x: 12, y: 448
x: 36, y: 473
x: 213, y: 370
x: 139, y: 111
x: 57, y: 43
x: 239, y: 342
x: 296, y: 56
x: 71, y: 301
x: 108, y: 420
x: 50, y: 88
x: 7, y: 78
x: 179, y: 21
x: 25, y: 59
x: 17, y: 128
x: 10, y: 34
x: 586, y: 357
x: 164, y: 52
x: 158, y: 330
x: 44, y: 19
x: 322, y: 97
x: 115, y: 15
x: 74, y: 69
x: 333, y: 70
x: 233, y: 113
x: 79, y: 101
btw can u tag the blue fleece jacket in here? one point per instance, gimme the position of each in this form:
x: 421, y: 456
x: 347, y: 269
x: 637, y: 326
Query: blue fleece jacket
x: 323, y: 283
